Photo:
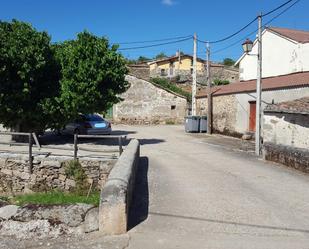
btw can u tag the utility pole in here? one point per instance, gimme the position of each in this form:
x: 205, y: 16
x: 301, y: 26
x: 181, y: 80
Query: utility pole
x: 194, y: 77
x: 209, y: 95
x: 258, y: 91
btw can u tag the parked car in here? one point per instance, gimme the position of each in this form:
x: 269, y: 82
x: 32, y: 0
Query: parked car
x: 89, y: 124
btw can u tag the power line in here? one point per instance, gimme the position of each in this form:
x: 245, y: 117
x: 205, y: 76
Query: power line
x: 155, y: 45
x: 279, y: 7
x: 152, y: 41
x: 246, y: 26
x: 275, y: 17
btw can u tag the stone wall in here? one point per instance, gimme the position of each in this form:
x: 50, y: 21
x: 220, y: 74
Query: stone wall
x: 145, y: 103
x: 47, y: 173
x: 286, y: 139
x: 288, y: 129
x: 139, y: 71
x: 293, y: 157
x: 224, y: 113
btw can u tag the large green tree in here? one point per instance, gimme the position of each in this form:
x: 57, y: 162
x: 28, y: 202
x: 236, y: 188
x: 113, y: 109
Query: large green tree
x: 92, y: 77
x: 28, y: 76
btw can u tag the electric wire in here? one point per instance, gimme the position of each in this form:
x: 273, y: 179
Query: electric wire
x: 264, y: 26
x: 155, y: 45
x: 152, y: 41
x: 246, y: 26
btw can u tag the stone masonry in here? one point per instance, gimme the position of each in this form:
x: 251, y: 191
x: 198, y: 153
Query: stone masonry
x: 224, y: 113
x: 47, y: 173
x: 146, y: 103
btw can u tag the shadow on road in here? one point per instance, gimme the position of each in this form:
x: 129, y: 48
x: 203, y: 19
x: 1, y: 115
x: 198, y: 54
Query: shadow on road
x: 231, y: 222
x: 140, y: 201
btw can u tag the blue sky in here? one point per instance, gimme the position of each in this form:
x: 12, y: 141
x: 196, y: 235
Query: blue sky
x: 136, y: 20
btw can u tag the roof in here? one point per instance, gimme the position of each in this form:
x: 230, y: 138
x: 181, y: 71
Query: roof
x: 296, y: 35
x: 278, y: 82
x: 300, y: 106
x: 176, y: 58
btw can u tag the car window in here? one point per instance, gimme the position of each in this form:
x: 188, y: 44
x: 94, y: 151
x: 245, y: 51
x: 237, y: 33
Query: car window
x: 93, y: 117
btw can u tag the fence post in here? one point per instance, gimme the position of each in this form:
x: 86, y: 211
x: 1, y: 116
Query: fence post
x: 75, y: 147
x: 30, y: 153
x: 120, y: 145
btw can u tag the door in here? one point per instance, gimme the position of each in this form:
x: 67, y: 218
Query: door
x: 252, y: 115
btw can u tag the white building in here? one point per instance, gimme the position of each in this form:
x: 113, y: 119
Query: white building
x: 285, y: 78
x: 284, y: 51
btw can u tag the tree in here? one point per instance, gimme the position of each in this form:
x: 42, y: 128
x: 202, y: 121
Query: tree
x: 228, y: 62
x: 142, y: 59
x: 92, y: 75
x: 160, y: 56
x: 28, y: 76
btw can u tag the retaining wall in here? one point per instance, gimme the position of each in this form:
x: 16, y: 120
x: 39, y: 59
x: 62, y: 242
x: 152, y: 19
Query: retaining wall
x: 117, y: 193
x: 47, y: 173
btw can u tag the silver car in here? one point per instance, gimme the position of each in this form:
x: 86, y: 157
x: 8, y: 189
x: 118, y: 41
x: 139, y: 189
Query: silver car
x: 89, y: 124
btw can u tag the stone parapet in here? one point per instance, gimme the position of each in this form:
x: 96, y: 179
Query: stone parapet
x: 117, y: 193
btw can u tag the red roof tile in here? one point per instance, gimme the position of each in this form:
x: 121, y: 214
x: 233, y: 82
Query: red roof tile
x: 296, y: 35
x: 295, y: 106
x: 284, y: 81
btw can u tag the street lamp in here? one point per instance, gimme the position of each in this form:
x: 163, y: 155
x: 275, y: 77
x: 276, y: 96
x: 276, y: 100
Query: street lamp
x: 247, y: 47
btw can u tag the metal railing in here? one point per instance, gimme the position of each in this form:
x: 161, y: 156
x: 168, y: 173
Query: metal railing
x: 33, y: 138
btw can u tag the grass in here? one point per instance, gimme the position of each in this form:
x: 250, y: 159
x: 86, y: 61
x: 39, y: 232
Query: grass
x: 55, y: 198
x: 166, y: 84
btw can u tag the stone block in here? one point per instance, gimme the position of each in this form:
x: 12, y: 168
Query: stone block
x: 70, y: 183
x: 8, y: 211
x: 7, y: 172
x: 62, y: 177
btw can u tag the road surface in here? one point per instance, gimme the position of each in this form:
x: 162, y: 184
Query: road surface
x: 205, y: 193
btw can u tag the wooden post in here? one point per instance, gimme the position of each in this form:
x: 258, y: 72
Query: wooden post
x: 30, y: 154
x: 75, y: 146
x: 120, y: 146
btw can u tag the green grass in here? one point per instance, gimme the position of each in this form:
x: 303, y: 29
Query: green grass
x: 166, y: 84
x: 55, y: 198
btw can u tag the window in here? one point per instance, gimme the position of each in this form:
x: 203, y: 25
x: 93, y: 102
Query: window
x: 173, y: 107
x: 191, y: 70
x: 162, y: 72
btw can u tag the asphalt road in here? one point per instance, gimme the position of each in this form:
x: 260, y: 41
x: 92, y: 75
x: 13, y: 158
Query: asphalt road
x: 195, y: 191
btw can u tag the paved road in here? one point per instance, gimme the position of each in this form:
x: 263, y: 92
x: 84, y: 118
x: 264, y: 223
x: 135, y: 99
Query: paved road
x: 195, y: 191
x: 203, y: 194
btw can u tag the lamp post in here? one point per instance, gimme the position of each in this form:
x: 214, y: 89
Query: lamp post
x: 247, y: 47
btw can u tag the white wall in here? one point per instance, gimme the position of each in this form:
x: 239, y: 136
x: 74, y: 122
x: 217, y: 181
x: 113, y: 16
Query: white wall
x: 279, y: 56
x: 287, y: 129
x: 243, y: 111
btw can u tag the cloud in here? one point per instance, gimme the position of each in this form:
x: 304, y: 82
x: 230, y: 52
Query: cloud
x: 168, y: 2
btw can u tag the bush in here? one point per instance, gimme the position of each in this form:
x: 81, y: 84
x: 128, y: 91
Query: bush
x: 166, y: 84
x: 75, y: 171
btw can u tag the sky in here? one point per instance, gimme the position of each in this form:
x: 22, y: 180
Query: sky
x: 142, y: 20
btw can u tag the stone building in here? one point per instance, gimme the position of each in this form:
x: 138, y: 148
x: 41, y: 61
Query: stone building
x: 181, y: 66
x: 147, y: 103
x: 234, y: 105
x: 286, y: 133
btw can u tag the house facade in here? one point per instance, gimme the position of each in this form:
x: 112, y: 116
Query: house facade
x: 182, y: 66
x: 285, y: 78
x: 234, y: 105
x: 147, y: 103
x: 284, y: 51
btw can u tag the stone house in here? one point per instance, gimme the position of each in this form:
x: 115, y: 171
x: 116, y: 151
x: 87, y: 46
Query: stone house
x: 286, y: 133
x: 147, y: 103
x: 181, y: 66
x: 234, y: 105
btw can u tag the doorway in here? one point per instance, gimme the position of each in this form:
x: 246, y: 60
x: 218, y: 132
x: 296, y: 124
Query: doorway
x: 252, y: 116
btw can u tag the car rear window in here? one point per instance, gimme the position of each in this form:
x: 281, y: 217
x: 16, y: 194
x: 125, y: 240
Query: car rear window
x: 93, y: 117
